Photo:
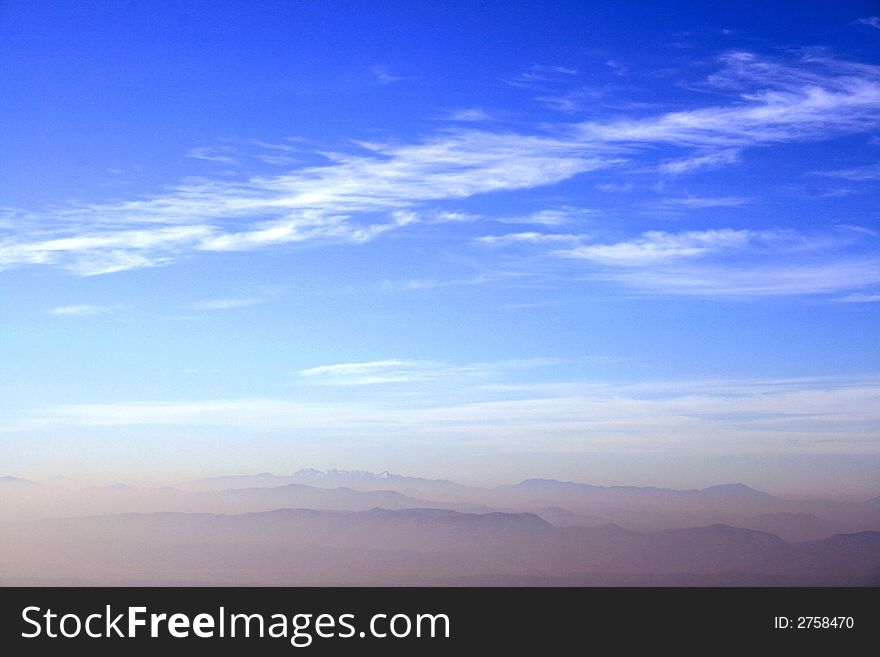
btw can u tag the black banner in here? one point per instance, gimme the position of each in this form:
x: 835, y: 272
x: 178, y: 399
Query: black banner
x: 275, y: 621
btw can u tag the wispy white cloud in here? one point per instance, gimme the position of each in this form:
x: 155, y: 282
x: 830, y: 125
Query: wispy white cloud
x: 656, y: 246
x: 704, y: 202
x: 763, y: 416
x: 484, y: 278
x: 383, y: 76
x: 244, y: 153
x: 736, y: 263
x: 868, y: 172
x: 82, y: 309
x: 539, y: 75
x: 778, y: 102
x: 360, y: 195
x: 710, y: 160
x: 470, y: 115
x: 406, y: 371
x: 755, y: 279
x: 105, y: 251
x: 573, y: 101
x: 227, y: 304
x: 355, y: 198
x: 617, y: 68
x: 371, y: 372
x: 447, y: 216
x: 614, y: 187
x: 550, y: 217
x: 560, y: 88
x: 859, y: 298
x: 870, y: 21
x: 530, y: 237
x: 222, y: 154
x: 839, y: 192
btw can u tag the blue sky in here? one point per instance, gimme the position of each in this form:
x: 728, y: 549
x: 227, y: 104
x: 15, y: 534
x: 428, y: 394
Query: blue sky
x: 618, y: 244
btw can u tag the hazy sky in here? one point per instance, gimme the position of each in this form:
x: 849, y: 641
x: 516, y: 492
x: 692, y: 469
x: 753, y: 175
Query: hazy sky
x: 612, y: 242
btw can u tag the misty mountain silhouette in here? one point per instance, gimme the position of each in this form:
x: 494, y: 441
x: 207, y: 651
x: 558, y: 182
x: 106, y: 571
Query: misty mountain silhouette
x: 562, y: 503
x: 358, y: 479
x: 336, y: 476
x: 794, y: 526
x: 562, y: 517
x: 313, y: 497
x: 722, y: 491
x: 417, y: 546
x: 736, y: 492
x: 16, y: 482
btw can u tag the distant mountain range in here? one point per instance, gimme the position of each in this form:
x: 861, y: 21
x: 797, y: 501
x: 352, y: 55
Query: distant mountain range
x: 340, y: 527
x: 355, y: 479
x: 540, y: 491
x: 16, y: 482
x: 365, y: 480
x: 312, y: 475
x: 562, y: 503
x: 313, y: 497
x: 728, y: 492
x: 335, y: 476
x: 417, y: 546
